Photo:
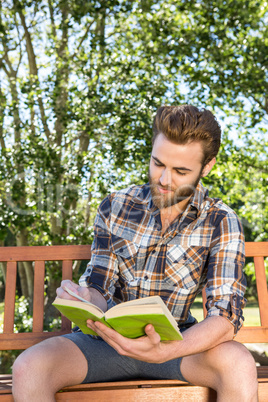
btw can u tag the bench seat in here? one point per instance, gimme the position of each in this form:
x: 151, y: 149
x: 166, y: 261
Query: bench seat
x: 137, y: 390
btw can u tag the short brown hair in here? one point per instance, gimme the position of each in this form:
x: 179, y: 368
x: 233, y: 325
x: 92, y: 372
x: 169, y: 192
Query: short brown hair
x: 186, y: 123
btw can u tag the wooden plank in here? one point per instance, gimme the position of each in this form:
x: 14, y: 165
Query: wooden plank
x: 186, y: 393
x: 6, y: 398
x: 263, y: 391
x: 23, y: 340
x: 67, y: 270
x: 10, y: 296
x: 86, y: 390
x: 5, y: 383
x: 261, y: 289
x: 38, y: 299
x: 67, y: 273
x: 262, y: 373
x: 135, y: 383
x: 252, y: 335
x: 45, y: 253
x: 256, y: 249
x: 204, y: 300
x: 86, y: 396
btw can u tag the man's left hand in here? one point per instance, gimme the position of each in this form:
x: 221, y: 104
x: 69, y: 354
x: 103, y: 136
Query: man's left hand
x: 147, y: 348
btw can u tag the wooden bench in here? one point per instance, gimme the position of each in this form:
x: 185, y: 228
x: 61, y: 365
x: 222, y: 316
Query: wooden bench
x: 142, y: 390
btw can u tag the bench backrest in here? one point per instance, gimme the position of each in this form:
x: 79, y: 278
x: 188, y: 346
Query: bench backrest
x: 257, y: 250
x: 67, y: 254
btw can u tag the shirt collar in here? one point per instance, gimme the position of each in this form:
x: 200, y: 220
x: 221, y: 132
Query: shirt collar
x: 198, y: 197
x: 143, y: 195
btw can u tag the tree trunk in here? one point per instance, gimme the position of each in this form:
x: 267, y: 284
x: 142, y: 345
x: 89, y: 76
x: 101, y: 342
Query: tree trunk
x: 23, y: 280
x: 3, y: 265
x: 21, y: 238
x: 33, y: 69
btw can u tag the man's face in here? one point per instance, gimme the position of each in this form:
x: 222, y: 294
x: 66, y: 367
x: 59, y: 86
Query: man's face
x: 174, y: 171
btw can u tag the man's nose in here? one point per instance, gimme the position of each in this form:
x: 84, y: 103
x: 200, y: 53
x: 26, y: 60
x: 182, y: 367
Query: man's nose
x: 166, y: 178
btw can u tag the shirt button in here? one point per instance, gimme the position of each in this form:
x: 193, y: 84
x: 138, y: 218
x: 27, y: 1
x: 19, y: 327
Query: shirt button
x: 153, y: 251
x: 121, y: 250
x: 146, y: 277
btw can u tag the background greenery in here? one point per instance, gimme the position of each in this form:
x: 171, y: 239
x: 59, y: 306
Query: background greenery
x: 80, y: 82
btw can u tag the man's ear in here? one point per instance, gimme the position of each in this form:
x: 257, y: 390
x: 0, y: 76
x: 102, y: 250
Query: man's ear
x: 207, y: 168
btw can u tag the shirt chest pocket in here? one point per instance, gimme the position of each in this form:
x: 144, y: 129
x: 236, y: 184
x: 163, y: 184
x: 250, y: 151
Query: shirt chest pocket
x: 184, y: 266
x: 126, y: 253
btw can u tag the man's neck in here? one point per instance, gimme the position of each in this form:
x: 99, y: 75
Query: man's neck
x: 169, y: 214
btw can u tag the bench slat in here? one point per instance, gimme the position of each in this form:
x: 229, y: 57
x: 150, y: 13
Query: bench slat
x: 67, y: 270
x: 176, y: 390
x: 256, y: 249
x: 45, y: 253
x: 67, y: 273
x: 23, y: 340
x: 186, y: 393
x: 252, y: 335
x: 38, y: 305
x: 10, y: 297
x: 261, y: 289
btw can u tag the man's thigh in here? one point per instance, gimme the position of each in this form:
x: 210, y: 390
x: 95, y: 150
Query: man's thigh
x: 226, y: 364
x: 105, y: 364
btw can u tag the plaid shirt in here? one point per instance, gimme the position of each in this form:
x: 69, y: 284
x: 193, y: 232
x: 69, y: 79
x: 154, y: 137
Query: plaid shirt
x: 204, y: 245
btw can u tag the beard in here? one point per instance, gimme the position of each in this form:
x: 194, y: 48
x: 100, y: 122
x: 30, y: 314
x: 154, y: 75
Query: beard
x: 176, y: 196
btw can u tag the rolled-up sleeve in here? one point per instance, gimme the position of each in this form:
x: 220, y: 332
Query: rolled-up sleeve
x: 102, y: 271
x: 226, y: 283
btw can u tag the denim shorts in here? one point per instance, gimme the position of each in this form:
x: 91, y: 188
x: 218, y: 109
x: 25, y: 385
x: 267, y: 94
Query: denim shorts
x: 105, y: 364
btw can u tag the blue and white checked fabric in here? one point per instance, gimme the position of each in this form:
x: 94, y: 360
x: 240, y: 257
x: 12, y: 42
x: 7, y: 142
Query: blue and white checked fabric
x: 131, y: 258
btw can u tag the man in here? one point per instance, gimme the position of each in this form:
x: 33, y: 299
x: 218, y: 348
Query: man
x: 167, y: 238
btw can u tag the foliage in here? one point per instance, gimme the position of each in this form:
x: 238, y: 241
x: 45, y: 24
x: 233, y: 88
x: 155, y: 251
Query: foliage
x: 80, y: 82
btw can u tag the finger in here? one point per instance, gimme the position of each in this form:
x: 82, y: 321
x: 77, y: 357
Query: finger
x: 66, y: 284
x: 69, y: 284
x: 109, y: 335
x: 153, y: 336
x: 103, y: 330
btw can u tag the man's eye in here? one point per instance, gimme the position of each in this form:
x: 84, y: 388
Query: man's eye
x: 181, y: 173
x: 157, y: 163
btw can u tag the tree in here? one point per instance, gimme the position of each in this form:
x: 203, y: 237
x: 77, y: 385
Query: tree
x: 65, y: 114
x: 80, y: 82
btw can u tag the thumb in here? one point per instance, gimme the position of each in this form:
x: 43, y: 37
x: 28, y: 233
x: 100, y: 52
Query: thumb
x: 152, y: 334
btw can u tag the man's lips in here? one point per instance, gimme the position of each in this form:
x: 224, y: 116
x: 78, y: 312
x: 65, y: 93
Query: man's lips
x: 164, y: 190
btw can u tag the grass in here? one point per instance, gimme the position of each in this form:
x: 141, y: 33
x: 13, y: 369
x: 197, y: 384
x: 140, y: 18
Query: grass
x: 251, y: 312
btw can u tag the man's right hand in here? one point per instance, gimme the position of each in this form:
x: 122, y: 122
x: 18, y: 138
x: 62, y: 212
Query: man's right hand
x: 90, y: 294
x: 79, y: 290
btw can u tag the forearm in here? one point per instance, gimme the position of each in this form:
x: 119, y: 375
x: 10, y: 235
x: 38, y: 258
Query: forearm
x: 149, y: 348
x: 201, y: 337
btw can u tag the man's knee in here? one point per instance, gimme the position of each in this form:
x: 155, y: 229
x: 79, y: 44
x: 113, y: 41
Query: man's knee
x: 34, y: 366
x: 236, y: 365
x: 235, y: 356
x: 47, y: 367
x: 28, y: 366
x: 228, y: 368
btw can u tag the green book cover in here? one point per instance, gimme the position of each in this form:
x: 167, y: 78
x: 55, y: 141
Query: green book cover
x: 129, y: 318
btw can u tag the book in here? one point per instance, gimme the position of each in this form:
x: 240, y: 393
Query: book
x: 129, y: 318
